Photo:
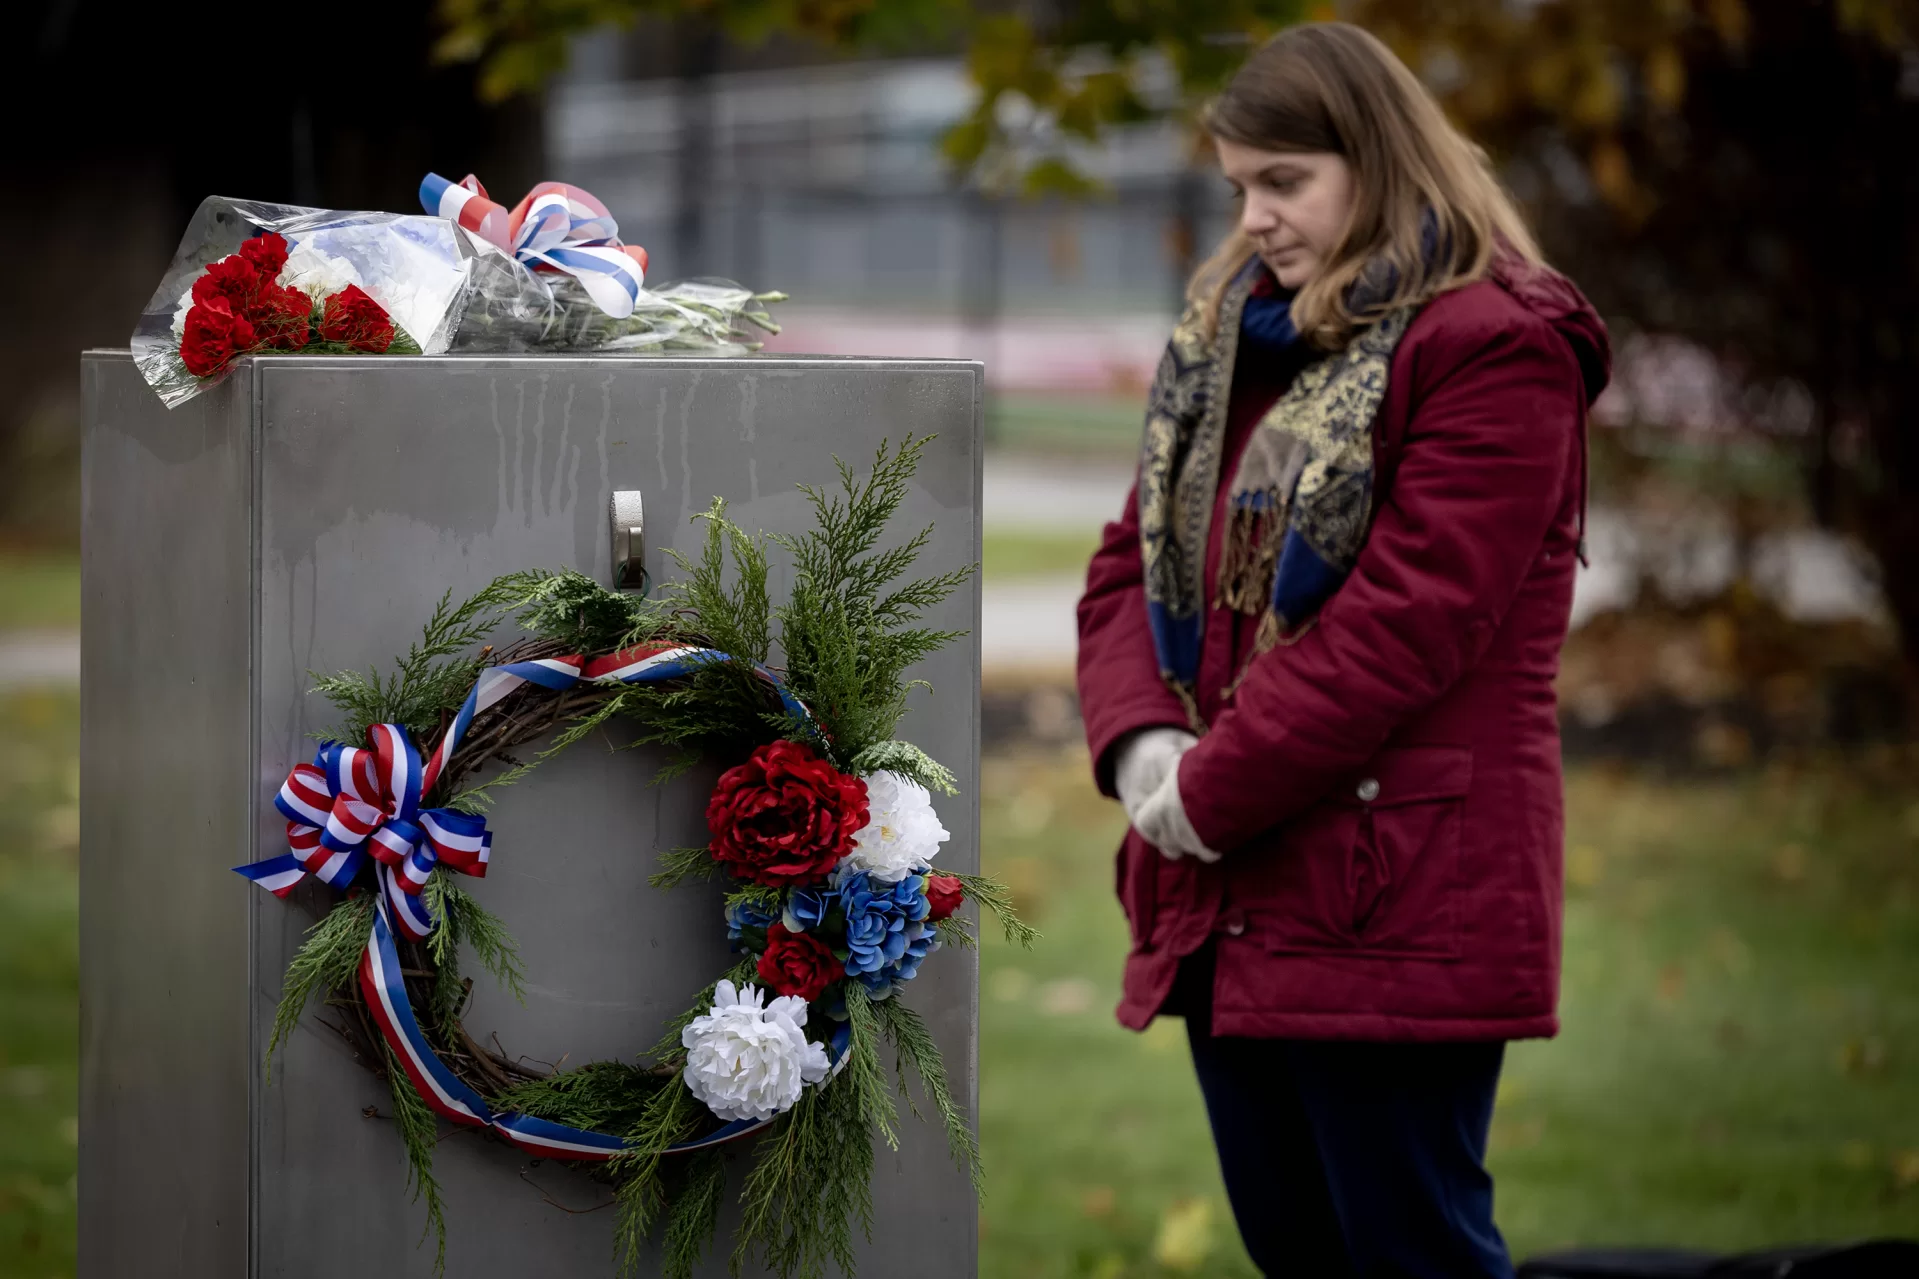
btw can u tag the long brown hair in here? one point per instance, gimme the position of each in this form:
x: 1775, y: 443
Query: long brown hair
x: 1428, y: 214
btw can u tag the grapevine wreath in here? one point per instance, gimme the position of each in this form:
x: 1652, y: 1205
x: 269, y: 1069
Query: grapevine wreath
x: 822, y: 827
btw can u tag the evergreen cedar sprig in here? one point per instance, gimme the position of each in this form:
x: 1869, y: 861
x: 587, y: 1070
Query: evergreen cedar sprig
x: 907, y: 760
x: 913, y: 1043
x: 863, y: 1073
x: 736, y: 617
x: 433, y: 677
x: 609, y: 1096
x: 848, y: 629
x: 998, y: 898
x: 326, y: 961
x: 464, y: 922
x: 680, y: 864
x: 419, y: 1132
x: 582, y: 616
x: 641, y: 1173
x: 696, y: 1212
x: 478, y: 800
x: 811, y: 1183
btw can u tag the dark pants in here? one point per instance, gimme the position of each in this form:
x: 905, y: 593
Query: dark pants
x: 1351, y: 1160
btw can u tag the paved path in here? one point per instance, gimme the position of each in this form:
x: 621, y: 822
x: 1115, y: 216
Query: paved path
x: 1045, y: 495
x: 1028, y: 624
x: 32, y: 658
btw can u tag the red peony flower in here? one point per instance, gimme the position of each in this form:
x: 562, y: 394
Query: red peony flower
x: 798, y: 963
x: 214, y: 335
x: 352, y: 317
x: 944, y: 893
x: 281, y: 316
x: 267, y: 254
x: 785, y: 816
x: 233, y: 278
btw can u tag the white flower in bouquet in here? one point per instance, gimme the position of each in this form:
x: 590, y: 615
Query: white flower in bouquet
x: 180, y: 315
x: 750, y: 1062
x: 317, y: 274
x: 903, y: 832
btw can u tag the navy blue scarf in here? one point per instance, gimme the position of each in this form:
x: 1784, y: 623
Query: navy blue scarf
x: 1266, y: 322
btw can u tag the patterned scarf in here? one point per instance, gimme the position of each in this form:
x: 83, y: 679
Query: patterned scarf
x: 1300, y: 502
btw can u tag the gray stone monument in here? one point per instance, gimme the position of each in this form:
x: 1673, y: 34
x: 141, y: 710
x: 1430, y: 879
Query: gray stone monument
x: 305, y: 516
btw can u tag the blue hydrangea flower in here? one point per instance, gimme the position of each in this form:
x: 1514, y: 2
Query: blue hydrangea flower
x: 880, y: 985
x: 742, y: 918
x: 806, y: 907
x: 887, y: 932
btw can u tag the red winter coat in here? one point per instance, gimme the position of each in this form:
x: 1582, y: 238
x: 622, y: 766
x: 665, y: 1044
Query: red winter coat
x: 1387, y: 789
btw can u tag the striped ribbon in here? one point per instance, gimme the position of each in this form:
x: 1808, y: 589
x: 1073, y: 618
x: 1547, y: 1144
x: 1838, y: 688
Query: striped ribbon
x: 557, y: 227
x: 448, y: 1096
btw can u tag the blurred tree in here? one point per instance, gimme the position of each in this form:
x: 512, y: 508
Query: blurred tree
x: 1742, y: 173
x: 519, y: 44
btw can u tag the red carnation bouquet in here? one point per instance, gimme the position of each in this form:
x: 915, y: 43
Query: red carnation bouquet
x: 435, y: 283
x: 265, y: 298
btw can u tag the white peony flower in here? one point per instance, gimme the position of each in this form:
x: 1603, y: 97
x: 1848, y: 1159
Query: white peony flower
x: 749, y: 1062
x: 317, y: 274
x: 903, y: 832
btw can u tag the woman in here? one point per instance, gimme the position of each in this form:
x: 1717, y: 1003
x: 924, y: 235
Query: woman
x: 1317, y: 656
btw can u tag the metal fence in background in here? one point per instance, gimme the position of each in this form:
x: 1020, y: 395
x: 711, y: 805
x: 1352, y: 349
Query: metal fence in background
x: 829, y: 183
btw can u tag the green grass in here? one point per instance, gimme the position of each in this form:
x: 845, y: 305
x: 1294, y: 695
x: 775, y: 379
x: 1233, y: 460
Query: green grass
x: 39, y: 592
x: 1074, y: 425
x: 1094, y: 1139
x: 1036, y: 553
x: 39, y: 981
x: 1740, y: 1061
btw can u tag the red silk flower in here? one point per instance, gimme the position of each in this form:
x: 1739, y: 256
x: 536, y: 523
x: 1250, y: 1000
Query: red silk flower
x: 352, y: 317
x: 798, y: 963
x: 944, y: 893
x: 214, y: 335
x: 784, y: 817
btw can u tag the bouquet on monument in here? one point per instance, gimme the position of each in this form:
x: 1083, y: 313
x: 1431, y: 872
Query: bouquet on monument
x: 549, y: 275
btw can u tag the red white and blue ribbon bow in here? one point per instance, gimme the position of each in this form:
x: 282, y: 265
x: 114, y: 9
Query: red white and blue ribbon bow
x: 351, y: 802
x: 556, y: 227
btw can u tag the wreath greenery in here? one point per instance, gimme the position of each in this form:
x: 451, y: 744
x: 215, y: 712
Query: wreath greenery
x: 846, y: 636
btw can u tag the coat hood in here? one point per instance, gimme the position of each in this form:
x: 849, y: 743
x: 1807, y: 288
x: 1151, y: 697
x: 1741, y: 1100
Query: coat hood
x: 1558, y: 301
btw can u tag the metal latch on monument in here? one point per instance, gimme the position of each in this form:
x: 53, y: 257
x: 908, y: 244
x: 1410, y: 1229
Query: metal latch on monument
x: 629, y: 541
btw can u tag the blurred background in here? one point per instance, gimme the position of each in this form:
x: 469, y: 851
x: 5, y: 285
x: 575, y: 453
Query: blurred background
x: 1734, y: 182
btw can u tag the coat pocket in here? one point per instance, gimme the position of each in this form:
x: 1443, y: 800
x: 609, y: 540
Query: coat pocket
x: 1374, y: 868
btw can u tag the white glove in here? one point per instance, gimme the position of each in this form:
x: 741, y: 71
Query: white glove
x: 1162, y: 822
x: 1145, y: 758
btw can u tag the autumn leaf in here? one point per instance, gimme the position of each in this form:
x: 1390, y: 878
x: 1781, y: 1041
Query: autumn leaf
x: 1185, y: 1236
